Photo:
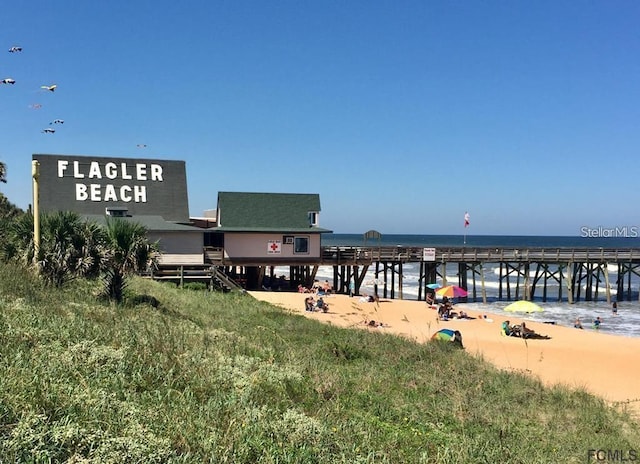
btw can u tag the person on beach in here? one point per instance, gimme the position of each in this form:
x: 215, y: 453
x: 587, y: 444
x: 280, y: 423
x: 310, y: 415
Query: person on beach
x: 369, y: 298
x: 352, y: 288
x: 373, y: 323
x: 308, y: 303
x: 510, y: 330
x: 596, y: 323
x: 526, y: 332
x: 614, y: 308
x: 506, y: 328
x: 302, y: 289
x: 577, y: 324
x: 463, y: 315
x: 444, y: 312
x: 429, y: 299
x: 321, y: 305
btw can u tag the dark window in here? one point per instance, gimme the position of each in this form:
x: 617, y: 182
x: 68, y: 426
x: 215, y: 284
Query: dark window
x: 301, y: 245
x: 214, y: 239
x: 116, y: 212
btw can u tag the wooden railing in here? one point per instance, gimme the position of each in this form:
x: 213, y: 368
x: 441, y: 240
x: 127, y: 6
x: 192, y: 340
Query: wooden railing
x: 360, y: 255
x: 479, y: 254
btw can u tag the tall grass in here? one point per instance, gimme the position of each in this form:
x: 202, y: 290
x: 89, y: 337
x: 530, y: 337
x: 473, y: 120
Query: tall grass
x: 177, y: 375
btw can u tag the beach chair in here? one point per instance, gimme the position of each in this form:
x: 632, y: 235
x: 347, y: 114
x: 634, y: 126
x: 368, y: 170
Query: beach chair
x: 507, y: 330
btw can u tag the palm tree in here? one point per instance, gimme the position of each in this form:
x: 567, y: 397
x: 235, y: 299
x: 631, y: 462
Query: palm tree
x: 128, y: 252
x: 69, y: 246
x: 8, y: 213
x: 3, y: 172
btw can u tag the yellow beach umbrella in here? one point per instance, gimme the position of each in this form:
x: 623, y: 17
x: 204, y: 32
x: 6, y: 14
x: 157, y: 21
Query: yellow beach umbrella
x: 523, y: 306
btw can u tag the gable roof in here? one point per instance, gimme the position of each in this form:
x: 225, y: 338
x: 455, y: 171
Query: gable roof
x: 152, y: 223
x: 267, y: 212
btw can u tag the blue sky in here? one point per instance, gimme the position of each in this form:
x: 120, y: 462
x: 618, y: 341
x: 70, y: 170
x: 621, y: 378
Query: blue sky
x: 401, y: 115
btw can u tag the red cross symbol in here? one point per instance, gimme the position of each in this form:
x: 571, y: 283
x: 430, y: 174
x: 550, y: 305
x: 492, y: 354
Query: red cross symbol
x: 274, y: 246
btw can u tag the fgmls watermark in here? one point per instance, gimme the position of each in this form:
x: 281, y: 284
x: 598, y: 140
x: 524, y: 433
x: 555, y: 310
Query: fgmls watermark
x: 611, y: 455
x: 610, y: 232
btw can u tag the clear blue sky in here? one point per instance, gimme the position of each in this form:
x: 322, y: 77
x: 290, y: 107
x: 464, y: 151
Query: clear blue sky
x: 402, y: 115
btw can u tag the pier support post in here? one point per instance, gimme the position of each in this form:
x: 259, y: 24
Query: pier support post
x: 607, y: 283
x: 570, y: 283
x: 484, y: 290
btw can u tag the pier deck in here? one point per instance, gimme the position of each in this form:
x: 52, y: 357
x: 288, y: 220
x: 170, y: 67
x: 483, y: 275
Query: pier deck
x: 578, y: 273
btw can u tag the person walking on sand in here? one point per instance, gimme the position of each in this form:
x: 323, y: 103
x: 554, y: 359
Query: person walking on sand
x: 614, y: 308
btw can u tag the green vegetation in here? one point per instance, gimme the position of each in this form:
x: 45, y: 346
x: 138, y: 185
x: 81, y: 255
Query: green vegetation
x: 180, y: 376
x: 71, y: 247
x: 8, y: 214
x: 3, y: 172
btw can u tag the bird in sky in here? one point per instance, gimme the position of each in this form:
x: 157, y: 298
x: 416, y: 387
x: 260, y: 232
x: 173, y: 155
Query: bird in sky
x: 141, y: 145
x: 35, y: 106
x: 8, y: 80
x: 50, y: 88
x: 57, y: 121
x: 15, y: 49
x: 48, y: 131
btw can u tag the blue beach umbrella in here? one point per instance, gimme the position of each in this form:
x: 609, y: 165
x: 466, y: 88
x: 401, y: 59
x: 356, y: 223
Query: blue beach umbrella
x: 434, y: 286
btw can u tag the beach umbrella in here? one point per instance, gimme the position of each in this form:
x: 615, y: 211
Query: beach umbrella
x: 523, y: 306
x: 448, y: 335
x: 434, y: 286
x: 451, y: 291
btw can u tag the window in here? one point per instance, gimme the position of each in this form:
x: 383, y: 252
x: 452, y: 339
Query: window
x: 214, y: 239
x: 287, y: 239
x: 116, y: 211
x: 313, y: 218
x: 301, y: 245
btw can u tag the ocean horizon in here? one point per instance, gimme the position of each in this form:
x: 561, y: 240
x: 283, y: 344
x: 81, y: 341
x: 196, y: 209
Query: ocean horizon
x: 608, y: 239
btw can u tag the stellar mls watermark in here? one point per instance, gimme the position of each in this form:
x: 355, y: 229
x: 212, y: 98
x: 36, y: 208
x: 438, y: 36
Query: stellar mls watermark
x: 610, y: 232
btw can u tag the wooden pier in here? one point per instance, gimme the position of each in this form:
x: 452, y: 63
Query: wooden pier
x: 524, y: 273
x: 578, y: 273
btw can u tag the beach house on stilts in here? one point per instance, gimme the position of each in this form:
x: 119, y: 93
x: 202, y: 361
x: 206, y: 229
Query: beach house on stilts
x: 256, y: 232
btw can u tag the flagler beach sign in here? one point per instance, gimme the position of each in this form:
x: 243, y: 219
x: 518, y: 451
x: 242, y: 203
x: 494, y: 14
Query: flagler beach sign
x: 89, y: 185
x: 96, y: 191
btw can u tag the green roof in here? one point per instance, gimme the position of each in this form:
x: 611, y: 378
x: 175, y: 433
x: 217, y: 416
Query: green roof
x: 267, y: 212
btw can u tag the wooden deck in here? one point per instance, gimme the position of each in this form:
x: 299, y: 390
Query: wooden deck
x: 367, y: 255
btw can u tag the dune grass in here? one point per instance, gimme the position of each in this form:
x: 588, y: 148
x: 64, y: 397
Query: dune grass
x: 184, y: 376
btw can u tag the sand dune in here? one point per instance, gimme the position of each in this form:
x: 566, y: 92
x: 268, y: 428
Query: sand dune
x: 602, y: 364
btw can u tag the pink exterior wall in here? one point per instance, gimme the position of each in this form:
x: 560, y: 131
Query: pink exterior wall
x: 248, y: 245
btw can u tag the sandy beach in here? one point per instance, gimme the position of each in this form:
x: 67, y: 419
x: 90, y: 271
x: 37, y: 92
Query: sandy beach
x: 602, y: 364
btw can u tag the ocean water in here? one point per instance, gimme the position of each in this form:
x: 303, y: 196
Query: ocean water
x: 626, y: 323
x: 533, y: 241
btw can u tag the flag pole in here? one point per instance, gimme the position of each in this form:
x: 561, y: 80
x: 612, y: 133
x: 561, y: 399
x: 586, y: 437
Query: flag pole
x: 466, y: 224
